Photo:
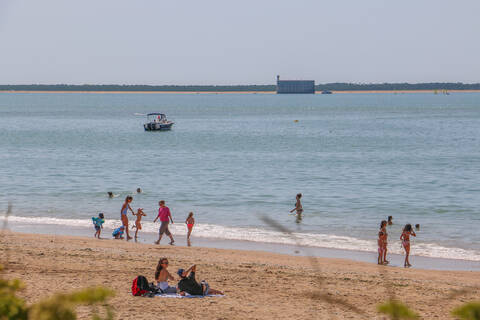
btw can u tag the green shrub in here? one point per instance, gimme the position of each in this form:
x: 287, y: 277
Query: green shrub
x: 396, y: 310
x: 61, y: 306
x: 468, y: 311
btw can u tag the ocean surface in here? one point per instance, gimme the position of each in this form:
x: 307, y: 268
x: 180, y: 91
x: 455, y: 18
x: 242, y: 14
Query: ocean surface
x: 234, y: 159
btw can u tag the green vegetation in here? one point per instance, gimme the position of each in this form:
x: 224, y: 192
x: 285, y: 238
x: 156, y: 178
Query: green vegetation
x: 397, y: 86
x: 396, y: 310
x: 247, y: 88
x: 58, y: 307
x: 469, y: 311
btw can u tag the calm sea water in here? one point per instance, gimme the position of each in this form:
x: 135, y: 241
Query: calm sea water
x: 233, y: 158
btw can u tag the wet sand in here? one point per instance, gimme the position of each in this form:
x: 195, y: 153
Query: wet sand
x: 258, y: 285
x: 419, y: 262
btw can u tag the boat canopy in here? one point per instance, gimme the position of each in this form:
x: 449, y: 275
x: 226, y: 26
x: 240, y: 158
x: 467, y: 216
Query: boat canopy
x: 156, y: 114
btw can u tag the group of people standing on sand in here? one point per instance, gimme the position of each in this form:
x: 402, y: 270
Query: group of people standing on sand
x: 164, y: 215
x: 404, y: 237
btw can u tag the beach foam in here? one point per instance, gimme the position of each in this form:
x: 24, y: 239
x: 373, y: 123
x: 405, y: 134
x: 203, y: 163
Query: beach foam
x: 269, y: 236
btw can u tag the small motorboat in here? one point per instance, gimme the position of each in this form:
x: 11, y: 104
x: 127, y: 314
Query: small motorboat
x: 326, y: 92
x: 157, y: 122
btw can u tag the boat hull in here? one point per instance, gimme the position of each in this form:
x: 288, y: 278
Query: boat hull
x: 152, y: 126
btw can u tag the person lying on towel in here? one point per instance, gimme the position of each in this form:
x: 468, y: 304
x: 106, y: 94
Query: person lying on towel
x: 188, y: 284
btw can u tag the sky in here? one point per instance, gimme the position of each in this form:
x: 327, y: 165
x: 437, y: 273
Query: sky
x: 229, y: 42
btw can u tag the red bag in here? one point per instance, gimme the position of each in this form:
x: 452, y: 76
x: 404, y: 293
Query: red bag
x: 140, y: 286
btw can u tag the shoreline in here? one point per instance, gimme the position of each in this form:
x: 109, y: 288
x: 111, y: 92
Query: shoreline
x: 439, y: 91
x: 257, y: 285
x: 146, y: 238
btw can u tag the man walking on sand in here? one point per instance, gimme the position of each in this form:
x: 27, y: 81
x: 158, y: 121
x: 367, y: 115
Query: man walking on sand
x: 165, y: 217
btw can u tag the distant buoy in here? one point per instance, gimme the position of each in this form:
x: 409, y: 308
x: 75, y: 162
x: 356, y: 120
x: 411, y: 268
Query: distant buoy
x: 295, y: 120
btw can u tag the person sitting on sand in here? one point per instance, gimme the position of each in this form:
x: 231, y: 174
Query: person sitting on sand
x: 188, y: 284
x: 138, y: 224
x: 123, y: 214
x: 298, y: 205
x: 162, y: 276
x: 118, y: 233
x: 98, y: 224
x: 164, y: 215
x: 405, y: 237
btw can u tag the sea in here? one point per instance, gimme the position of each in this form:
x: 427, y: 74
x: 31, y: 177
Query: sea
x: 238, y: 160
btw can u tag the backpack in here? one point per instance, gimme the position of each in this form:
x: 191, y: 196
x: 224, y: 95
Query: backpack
x: 140, y: 286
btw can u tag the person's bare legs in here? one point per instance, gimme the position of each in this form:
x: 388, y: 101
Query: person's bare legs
x: 125, y: 224
x: 407, y: 249
x: 159, y: 238
x: 405, y: 263
x: 213, y: 291
x: 385, y: 256
x: 171, y: 239
x: 188, y: 234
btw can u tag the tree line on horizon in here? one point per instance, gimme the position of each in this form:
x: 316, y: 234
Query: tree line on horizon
x: 338, y: 86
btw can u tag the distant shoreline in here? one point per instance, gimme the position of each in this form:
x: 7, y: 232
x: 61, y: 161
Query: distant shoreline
x: 234, y: 92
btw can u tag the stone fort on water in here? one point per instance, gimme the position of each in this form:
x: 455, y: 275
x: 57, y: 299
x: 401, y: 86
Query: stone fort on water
x: 295, y: 86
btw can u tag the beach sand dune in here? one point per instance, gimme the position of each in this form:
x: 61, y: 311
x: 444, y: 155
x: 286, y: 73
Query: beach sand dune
x: 258, y: 285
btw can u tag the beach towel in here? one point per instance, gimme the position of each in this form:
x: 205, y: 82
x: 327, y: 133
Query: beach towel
x: 176, y: 295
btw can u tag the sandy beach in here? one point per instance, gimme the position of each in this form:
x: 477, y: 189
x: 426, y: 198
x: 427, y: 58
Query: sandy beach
x: 258, y: 285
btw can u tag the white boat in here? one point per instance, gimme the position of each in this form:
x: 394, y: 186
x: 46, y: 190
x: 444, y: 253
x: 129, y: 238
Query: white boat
x: 157, y: 122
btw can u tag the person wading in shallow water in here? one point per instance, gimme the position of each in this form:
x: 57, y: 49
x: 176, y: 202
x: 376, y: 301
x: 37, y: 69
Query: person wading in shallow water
x: 298, y: 207
x: 383, y: 229
x: 165, y: 217
x: 405, y: 237
x: 123, y: 214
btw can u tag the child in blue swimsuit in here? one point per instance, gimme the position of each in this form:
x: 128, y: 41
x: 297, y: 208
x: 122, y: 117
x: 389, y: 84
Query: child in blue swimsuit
x: 118, y: 233
x: 98, y: 224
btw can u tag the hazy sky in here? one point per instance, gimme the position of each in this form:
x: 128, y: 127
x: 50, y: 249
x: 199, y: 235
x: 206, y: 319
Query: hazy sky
x: 238, y: 42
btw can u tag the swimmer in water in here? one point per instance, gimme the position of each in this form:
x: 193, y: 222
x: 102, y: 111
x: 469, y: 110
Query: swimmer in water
x: 298, y: 205
x: 390, y: 220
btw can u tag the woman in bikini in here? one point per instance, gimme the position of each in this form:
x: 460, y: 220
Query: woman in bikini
x: 162, y: 276
x: 123, y: 214
x: 383, y: 228
x: 405, y: 237
x: 190, y: 221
